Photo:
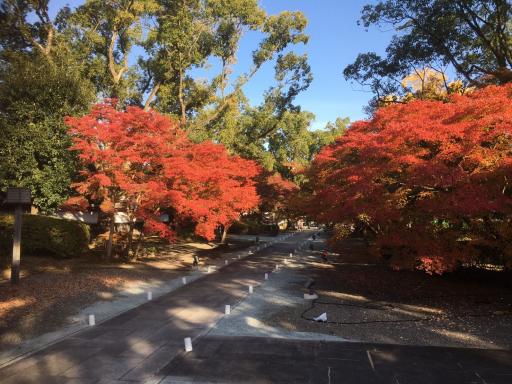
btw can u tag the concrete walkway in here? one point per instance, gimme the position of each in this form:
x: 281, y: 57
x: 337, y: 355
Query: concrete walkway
x: 136, y: 344
x: 145, y: 345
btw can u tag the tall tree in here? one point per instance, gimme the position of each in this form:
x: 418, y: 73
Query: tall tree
x: 105, y: 32
x: 471, y: 36
x: 186, y: 35
x: 18, y: 34
x: 41, y: 81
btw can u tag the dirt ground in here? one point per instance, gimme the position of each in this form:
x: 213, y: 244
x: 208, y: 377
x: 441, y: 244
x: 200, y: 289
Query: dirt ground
x: 369, y: 302
x: 51, y: 290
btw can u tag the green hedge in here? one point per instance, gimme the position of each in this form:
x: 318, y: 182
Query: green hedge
x: 43, y: 235
x: 253, y: 228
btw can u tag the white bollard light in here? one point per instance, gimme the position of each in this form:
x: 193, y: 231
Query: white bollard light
x: 150, y: 295
x: 209, y: 269
x: 188, y: 344
x: 266, y: 276
x: 291, y: 254
x: 184, y: 280
x: 251, y: 289
x: 277, y: 267
x: 238, y: 256
x: 227, y: 309
x: 225, y: 262
x: 92, y: 320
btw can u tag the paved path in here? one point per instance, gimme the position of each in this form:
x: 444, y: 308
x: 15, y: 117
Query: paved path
x: 145, y: 345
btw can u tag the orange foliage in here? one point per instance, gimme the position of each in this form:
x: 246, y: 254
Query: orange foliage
x: 142, y: 162
x: 275, y: 192
x: 423, y: 173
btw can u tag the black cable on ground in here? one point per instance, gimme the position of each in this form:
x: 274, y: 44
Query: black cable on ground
x: 376, y: 306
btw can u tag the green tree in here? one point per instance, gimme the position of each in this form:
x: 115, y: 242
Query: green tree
x: 187, y: 34
x: 34, y: 98
x: 326, y: 136
x: 274, y: 133
x: 41, y: 81
x: 472, y: 36
x: 17, y: 34
x: 104, y: 33
x: 190, y: 33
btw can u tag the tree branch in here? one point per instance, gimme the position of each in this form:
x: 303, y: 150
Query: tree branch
x: 151, y: 95
x: 116, y: 75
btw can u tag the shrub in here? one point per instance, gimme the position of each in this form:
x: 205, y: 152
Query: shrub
x: 46, y: 235
x: 251, y: 227
x: 239, y: 228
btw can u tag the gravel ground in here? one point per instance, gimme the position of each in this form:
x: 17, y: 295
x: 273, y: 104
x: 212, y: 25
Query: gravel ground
x: 370, y: 303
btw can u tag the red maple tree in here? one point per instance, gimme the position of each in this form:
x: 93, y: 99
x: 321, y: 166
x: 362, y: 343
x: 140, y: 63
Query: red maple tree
x: 276, y: 194
x: 140, y: 163
x: 431, y: 178
x: 212, y: 187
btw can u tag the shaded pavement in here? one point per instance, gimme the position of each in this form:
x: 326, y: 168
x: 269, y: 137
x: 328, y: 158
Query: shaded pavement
x: 145, y: 345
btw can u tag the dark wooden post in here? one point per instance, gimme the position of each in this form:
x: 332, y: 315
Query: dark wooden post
x: 17, y: 198
x: 16, y: 245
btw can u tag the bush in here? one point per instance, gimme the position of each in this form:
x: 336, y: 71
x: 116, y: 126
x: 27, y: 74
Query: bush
x: 46, y: 235
x: 251, y: 227
x: 239, y: 228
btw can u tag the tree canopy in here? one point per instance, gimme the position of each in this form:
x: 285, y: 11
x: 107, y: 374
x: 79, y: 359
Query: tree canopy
x: 146, y: 53
x: 431, y: 178
x: 471, y: 36
x: 141, y: 163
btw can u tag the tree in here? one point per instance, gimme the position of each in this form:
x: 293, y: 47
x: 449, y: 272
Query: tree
x: 212, y: 187
x: 140, y: 163
x: 17, y: 34
x: 471, y: 36
x: 124, y: 155
x: 431, y: 179
x: 328, y: 135
x: 274, y: 133
x: 41, y: 81
x: 34, y: 98
x: 275, y: 193
x: 187, y: 34
x: 105, y: 33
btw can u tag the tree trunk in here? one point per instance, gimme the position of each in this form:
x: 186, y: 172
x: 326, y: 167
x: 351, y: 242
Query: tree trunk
x: 224, y: 234
x: 139, y: 244
x: 181, y: 100
x: 152, y: 94
x: 130, y: 241
x: 108, y: 255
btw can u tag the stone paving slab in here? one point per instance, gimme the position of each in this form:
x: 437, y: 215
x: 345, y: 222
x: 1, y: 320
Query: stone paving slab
x: 265, y: 360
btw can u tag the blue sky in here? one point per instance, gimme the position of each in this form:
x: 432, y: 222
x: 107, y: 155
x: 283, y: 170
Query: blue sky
x: 335, y: 41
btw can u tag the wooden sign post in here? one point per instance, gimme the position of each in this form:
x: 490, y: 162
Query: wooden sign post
x: 19, y: 198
